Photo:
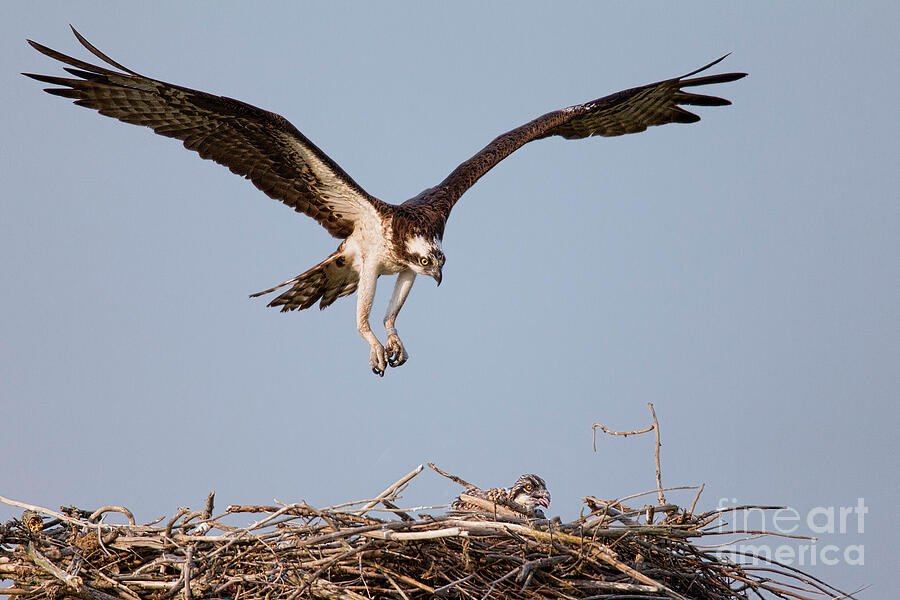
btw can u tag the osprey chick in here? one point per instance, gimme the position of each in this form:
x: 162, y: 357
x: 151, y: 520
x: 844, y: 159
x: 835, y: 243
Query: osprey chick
x: 378, y: 238
x: 529, y: 491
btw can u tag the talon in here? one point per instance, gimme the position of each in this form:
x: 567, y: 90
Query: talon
x: 396, y: 354
x: 378, y: 360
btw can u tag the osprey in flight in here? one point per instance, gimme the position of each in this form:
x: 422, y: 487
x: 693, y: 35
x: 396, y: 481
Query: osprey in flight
x: 378, y: 238
x: 528, y: 492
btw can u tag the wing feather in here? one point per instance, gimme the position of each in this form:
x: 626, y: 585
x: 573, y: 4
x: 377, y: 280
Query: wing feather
x: 628, y: 111
x: 259, y: 145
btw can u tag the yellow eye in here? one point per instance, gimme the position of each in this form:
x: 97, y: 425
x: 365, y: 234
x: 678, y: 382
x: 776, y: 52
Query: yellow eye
x: 424, y: 261
x: 528, y: 487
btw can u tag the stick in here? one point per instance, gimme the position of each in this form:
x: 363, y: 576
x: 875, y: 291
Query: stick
x: 396, y: 510
x: 390, y: 490
x: 52, y: 513
x: 661, y: 496
x: 73, y: 581
x: 655, y: 427
x: 453, y: 478
x: 188, y: 556
x: 442, y: 591
x: 118, y: 509
x: 180, y: 513
x: 697, y: 497
x: 417, y: 535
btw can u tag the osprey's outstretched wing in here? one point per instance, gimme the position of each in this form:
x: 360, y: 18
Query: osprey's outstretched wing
x: 628, y: 111
x: 262, y: 146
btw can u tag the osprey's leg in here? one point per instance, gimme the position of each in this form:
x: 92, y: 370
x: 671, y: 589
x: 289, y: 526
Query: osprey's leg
x: 396, y: 354
x: 365, y: 295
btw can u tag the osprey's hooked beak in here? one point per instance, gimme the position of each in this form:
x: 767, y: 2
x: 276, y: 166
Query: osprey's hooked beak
x: 437, y: 277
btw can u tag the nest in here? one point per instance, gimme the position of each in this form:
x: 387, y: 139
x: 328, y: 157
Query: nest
x: 344, y: 552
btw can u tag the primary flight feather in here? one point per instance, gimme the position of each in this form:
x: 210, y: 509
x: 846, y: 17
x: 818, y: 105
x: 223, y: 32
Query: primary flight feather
x: 379, y: 238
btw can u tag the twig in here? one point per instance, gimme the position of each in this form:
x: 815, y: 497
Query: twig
x: 106, y: 509
x: 442, y: 591
x: 453, y: 478
x: 655, y: 427
x: 178, y: 514
x: 210, y: 504
x: 312, y: 578
x: 396, y: 510
x: 622, y: 433
x: 390, y: 490
x: 662, y: 498
x: 73, y: 581
x: 52, y: 513
x: 540, y: 564
x: 697, y: 497
x: 499, y: 581
x: 188, y: 556
x: 394, y: 583
x: 615, y: 586
x: 100, y: 539
x: 417, y: 535
x: 668, y: 489
x: 123, y: 589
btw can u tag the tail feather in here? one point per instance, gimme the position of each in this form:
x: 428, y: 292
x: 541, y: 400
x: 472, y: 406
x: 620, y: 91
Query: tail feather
x: 329, y: 280
x: 272, y: 289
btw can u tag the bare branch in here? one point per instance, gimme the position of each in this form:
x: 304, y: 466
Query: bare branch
x: 105, y: 509
x: 661, y: 498
x: 391, y: 489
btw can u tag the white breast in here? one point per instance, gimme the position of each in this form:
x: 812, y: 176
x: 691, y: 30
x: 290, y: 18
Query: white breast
x: 371, y: 240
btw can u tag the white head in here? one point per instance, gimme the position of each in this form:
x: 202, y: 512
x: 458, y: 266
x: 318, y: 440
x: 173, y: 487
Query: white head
x: 424, y: 256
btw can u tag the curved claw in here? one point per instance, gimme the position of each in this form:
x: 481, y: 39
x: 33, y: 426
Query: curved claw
x: 378, y: 360
x: 396, y: 353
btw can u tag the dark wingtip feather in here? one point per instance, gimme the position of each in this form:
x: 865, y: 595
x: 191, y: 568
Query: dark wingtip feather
x: 64, y: 92
x: 42, y: 48
x: 63, y: 58
x: 701, y: 100
x: 86, y: 75
x: 683, y: 116
x: 48, y: 79
x: 705, y: 67
x: 99, y: 54
x: 710, y: 80
x: 721, y: 78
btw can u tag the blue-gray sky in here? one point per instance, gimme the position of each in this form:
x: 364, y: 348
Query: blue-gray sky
x: 740, y: 273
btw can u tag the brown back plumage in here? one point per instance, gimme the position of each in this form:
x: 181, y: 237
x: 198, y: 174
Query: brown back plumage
x: 526, y: 494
